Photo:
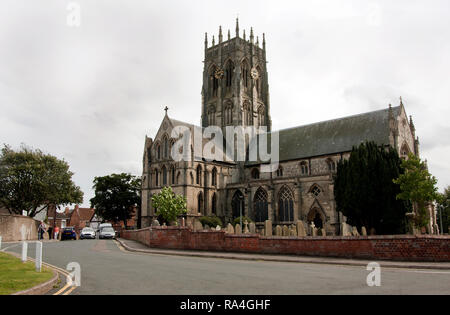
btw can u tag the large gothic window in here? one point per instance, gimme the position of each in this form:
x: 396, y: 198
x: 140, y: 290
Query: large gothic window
x: 237, y: 204
x: 199, y: 175
x: 214, y: 177
x: 261, y: 116
x: 248, y: 114
x: 164, y: 176
x: 285, y: 205
x: 211, y: 116
x: 172, y: 175
x: 245, y: 74
x: 166, y: 147
x: 229, y: 75
x: 214, y: 204
x: 229, y: 114
x: 214, y: 83
x: 200, y: 203
x: 260, y: 205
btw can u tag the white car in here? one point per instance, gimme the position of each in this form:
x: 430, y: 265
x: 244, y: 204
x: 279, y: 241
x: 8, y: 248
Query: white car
x: 87, y: 232
x: 107, y: 232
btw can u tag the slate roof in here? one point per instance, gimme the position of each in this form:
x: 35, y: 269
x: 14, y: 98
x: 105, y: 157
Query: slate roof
x: 329, y: 137
x: 334, y: 136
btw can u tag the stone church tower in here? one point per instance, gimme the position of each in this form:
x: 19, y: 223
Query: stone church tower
x: 235, y: 82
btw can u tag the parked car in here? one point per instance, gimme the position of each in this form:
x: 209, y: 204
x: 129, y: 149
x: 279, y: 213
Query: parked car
x: 87, y: 232
x: 68, y: 233
x: 107, y: 232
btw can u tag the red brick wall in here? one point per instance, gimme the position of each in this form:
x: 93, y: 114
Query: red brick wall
x: 397, y: 247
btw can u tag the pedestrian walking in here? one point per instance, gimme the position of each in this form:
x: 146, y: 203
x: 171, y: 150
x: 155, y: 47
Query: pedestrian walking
x: 56, y: 232
x: 41, y: 230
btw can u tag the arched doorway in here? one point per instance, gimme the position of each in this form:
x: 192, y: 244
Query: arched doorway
x: 237, y: 204
x: 285, y: 205
x: 260, y: 205
x: 315, y: 215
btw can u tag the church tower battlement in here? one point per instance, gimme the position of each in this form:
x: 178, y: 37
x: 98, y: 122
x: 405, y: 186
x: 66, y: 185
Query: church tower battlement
x: 235, y: 88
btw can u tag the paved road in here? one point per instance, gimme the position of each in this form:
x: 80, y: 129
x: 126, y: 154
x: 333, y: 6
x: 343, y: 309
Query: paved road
x: 106, y: 269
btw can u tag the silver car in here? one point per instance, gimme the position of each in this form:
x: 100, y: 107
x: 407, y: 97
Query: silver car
x: 87, y: 232
x: 107, y: 232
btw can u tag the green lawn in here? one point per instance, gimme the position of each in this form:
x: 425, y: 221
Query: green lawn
x: 17, y: 276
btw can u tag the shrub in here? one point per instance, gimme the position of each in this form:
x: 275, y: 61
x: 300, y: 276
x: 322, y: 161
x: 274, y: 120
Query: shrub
x: 211, y: 221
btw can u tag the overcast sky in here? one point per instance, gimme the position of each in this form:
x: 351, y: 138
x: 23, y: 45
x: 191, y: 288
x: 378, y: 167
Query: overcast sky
x: 90, y: 94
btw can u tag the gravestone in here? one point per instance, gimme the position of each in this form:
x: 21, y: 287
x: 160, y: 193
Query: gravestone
x: 218, y: 228
x: 252, y: 228
x: 198, y: 225
x: 155, y: 223
x: 278, y: 230
x: 355, y: 231
x: 206, y: 227
x: 301, y: 229
x: 268, y: 228
x: 314, y: 230
x: 285, y: 230
x: 293, y: 230
x: 246, y: 230
x: 230, y: 228
x: 363, y: 231
x: 238, y: 229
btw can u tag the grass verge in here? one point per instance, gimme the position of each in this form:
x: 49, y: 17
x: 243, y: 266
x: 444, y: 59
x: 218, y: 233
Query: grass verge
x: 17, y: 276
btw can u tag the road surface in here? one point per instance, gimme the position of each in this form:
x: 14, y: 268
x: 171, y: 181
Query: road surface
x: 108, y: 269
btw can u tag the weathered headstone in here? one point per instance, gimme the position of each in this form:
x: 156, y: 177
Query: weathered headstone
x: 198, y: 225
x: 278, y: 230
x: 285, y: 230
x: 322, y: 232
x: 301, y: 229
x: 206, y: 227
x: 155, y: 223
x: 363, y: 231
x: 268, y: 228
x: 238, y: 229
x: 292, y: 230
x: 346, y: 229
x: 230, y: 228
x: 314, y: 230
x: 355, y: 231
x: 218, y: 228
x: 252, y: 228
x: 246, y: 230
x: 183, y: 222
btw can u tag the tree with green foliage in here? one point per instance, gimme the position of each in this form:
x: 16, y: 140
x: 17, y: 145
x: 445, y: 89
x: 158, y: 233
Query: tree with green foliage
x: 364, y: 190
x: 31, y: 180
x: 116, y: 197
x: 418, y: 186
x: 169, y: 205
x: 443, y: 215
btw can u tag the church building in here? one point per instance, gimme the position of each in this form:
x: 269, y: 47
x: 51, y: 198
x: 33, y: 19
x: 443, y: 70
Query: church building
x: 235, y: 93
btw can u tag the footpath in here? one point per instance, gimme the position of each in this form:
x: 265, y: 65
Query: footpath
x: 134, y: 246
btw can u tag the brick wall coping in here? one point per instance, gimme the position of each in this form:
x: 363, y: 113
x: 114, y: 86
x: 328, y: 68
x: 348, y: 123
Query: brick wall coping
x: 333, y: 238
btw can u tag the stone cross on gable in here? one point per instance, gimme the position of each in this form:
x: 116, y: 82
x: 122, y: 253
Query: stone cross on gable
x: 166, y: 109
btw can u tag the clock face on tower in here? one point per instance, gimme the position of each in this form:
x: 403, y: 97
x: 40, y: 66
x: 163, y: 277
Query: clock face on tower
x: 255, y: 73
x: 218, y: 74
